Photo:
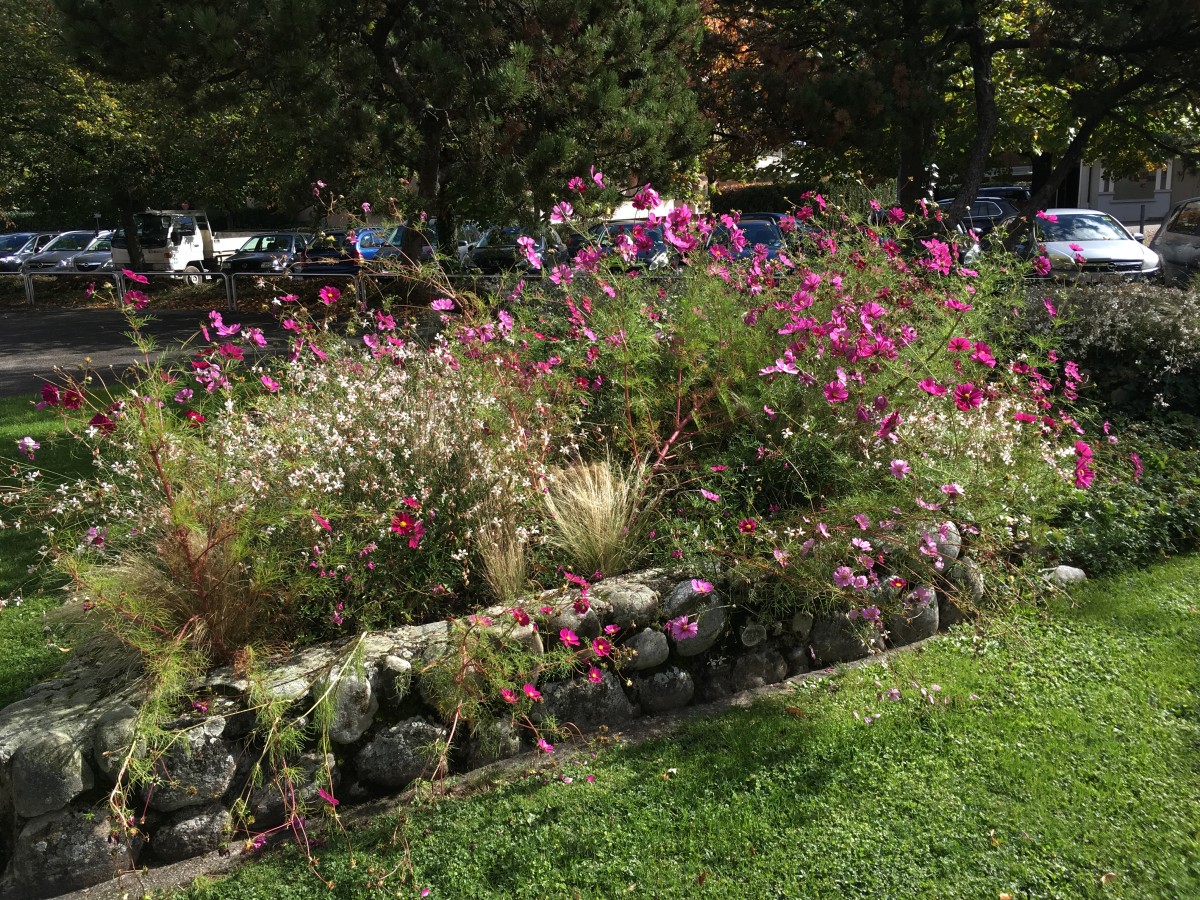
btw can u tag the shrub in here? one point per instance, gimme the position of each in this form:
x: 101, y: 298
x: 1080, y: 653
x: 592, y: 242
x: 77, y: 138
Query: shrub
x: 1138, y: 342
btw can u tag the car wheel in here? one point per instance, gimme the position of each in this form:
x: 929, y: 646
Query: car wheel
x: 192, y: 276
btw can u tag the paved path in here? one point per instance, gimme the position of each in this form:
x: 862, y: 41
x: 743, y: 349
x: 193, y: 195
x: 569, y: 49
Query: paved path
x: 34, y: 341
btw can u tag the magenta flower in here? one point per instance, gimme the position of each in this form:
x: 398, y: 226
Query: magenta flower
x: 747, y: 526
x: 709, y: 495
x: 959, y: 345
x: 323, y: 522
x: 1045, y: 216
x: 366, y: 208
x: 136, y: 299
x: 576, y: 184
x: 701, y: 587
x: 594, y: 675
x: 611, y: 629
x: 520, y: 615
x: 329, y: 295
x: 601, y: 646
x: 953, y: 489
x: 134, y: 276
x: 561, y: 212
x: 646, y: 198
x: 530, y: 251
x: 967, y: 397
x: 835, y: 392
x: 26, y: 447
x: 929, y: 386
x: 597, y: 177
x: 327, y: 797
x: 1050, y: 307
x: 900, y: 468
x: 1138, y: 468
x: 545, y: 746
x: 532, y: 693
x: 681, y: 628
x: 568, y: 637
x: 442, y: 304
x: 781, y: 557
x: 509, y: 695
x: 270, y: 383
x: 843, y: 576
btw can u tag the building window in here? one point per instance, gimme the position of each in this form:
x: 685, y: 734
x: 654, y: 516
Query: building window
x: 1139, y: 187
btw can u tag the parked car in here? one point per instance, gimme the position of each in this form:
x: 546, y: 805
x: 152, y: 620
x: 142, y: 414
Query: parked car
x: 335, y: 252
x: 18, y: 247
x: 59, y: 255
x: 1177, y: 242
x: 757, y: 230
x: 499, y: 252
x: 652, y: 252
x: 1088, y: 245
x: 270, y: 252
x: 96, y: 256
x: 1015, y: 194
x: 985, y: 214
x: 393, y: 245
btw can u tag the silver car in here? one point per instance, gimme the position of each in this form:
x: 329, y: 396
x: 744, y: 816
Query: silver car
x: 16, y: 248
x: 1087, y: 245
x: 59, y: 255
x: 1177, y: 242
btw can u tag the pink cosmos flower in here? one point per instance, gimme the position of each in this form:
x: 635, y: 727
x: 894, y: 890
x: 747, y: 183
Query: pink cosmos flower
x: 597, y: 177
x: 545, y: 746
x: 529, y: 249
x: 270, y: 383
x: 646, y: 198
x: 900, y: 468
x: 366, y: 208
x: 324, y: 794
x: 835, y: 392
x: 521, y: 616
x: 601, y: 646
x: 929, y: 386
x: 418, y: 532
x: 709, y: 495
x: 893, y: 694
x: 701, y: 587
x: 403, y: 523
x: 747, y: 526
x: 509, y: 695
x: 568, y: 637
x: 843, y: 576
x: 1045, y: 216
x: 1138, y: 468
x: 320, y: 520
x: 442, y: 304
x: 967, y: 397
x: 576, y: 184
x: 532, y: 693
x: 1050, y: 307
x: 329, y: 295
x: 594, y: 675
x: 953, y: 489
x: 681, y: 628
x: 136, y: 299
x: 134, y: 276
x: 26, y: 447
x: 959, y: 345
x: 561, y: 212
x: 781, y: 557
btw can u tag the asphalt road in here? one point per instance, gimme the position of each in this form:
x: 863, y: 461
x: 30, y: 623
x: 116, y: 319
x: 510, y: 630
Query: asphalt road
x: 35, y: 341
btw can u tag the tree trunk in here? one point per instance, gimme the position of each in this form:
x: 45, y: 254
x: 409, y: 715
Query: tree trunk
x: 985, y: 114
x: 126, y: 208
x: 429, y: 177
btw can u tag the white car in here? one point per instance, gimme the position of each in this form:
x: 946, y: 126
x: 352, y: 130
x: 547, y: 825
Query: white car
x: 1087, y: 245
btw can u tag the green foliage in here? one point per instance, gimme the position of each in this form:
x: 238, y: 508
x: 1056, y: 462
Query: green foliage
x: 1133, y: 521
x: 993, y: 773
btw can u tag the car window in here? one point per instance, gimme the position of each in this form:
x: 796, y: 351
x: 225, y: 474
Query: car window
x: 1080, y: 227
x: 72, y: 240
x: 986, y: 208
x: 43, y: 240
x: 11, y: 243
x: 1186, y: 220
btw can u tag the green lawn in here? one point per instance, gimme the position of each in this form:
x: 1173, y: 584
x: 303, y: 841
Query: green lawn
x: 27, y: 653
x: 1057, y: 759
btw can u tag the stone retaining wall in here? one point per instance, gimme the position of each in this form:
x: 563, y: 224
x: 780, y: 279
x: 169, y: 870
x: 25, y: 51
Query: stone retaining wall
x: 61, y: 748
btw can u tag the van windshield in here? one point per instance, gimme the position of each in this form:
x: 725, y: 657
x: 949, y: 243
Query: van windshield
x: 151, y: 231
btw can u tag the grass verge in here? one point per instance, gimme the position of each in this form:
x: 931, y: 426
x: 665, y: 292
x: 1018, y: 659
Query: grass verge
x: 27, y: 653
x: 1053, y: 756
